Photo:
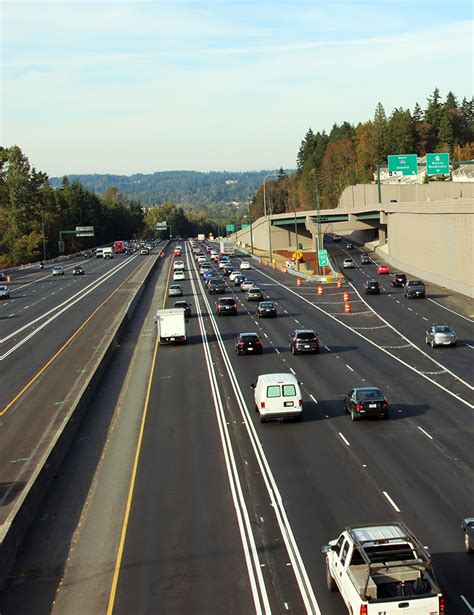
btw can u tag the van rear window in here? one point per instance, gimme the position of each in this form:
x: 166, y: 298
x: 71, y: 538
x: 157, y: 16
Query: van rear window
x: 273, y: 390
x: 289, y: 390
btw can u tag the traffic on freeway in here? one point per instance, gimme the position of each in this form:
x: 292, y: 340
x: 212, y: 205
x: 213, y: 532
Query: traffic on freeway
x: 205, y: 501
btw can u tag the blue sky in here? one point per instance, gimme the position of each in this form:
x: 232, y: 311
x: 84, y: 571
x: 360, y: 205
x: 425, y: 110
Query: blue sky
x: 125, y: 87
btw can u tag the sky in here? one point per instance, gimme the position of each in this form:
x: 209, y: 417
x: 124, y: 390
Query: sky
x: 139, y: 86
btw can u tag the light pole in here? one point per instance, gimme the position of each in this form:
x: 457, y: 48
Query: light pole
x: 251, y: 222
x: 265, y: 214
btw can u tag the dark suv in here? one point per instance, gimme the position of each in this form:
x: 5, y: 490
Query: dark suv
x: 216, y: 286
x: 226, y: 305
x: 371, y: 287
x: 398, y: 280
x: 303, y: 340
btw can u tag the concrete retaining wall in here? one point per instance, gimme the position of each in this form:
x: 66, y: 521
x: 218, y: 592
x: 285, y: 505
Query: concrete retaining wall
x: 25, y: 511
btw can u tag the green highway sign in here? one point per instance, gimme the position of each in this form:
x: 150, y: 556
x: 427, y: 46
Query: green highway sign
x: 323, y: 258
x: 230, y: 228
x: 406, y: 164
x: 437, y: 164
x: 245, y: 226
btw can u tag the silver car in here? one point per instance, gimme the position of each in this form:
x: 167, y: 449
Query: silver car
x: 348, y: 263
x: 441, y: 335
x: 58, y: 270
x: 175, y: 290
x: 4, y: 292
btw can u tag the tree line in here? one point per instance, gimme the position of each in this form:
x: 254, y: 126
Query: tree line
x: 329, y: 162
x: 32, y: 214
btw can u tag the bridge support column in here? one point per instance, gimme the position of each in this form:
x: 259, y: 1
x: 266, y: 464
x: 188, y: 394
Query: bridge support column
x: 382, y: 236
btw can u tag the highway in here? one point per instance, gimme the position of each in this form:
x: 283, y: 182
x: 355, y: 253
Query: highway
x: 51, y: 329
x: 188, y: 504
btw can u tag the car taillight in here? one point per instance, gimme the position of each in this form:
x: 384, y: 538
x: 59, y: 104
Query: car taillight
x: 241, y: 343
x: 441, y: 605
x: 359, y: 406
x: 258, y: 343
x: 262, y: 405
x: 385, y: 405
x: 363, y: 609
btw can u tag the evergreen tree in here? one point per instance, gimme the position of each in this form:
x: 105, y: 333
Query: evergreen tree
x: 450, y: 102
x: 305, y: 149
x: 433, y: 114
x: 380, y: 134
x: 446, y: 132
x: 401, y: 132
x: 417, y: 113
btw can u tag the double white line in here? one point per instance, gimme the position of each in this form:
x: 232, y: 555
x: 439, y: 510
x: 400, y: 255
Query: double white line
x: 253, y: 564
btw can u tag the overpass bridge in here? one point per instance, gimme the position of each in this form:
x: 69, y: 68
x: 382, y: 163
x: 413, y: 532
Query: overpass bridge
x: 432, y: 240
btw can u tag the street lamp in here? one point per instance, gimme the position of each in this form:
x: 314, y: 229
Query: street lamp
x: 251, y: 222
x: 265, y: 214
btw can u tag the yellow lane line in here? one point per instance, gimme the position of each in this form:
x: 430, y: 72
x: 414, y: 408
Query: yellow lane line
x: 123, y: 533
x: 64, y: 346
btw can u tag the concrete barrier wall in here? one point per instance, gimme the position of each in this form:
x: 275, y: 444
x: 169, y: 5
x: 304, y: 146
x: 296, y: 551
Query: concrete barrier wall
x: 437, y: 247
x: 29, y: 501
x: 367, y: 194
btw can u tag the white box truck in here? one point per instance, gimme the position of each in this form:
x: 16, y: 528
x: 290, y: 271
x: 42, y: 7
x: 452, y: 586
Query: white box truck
x: 201, y: 237
x: 108, y: 252
x: 171, y: 326
x: 226, y: 247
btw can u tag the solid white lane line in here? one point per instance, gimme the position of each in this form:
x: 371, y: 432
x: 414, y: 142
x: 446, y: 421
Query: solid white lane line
x: 391, y: 501
x: 246, y: 533
x: 314, y: 399
x: 425, y: 432
x: 344, y: 438
x: 450, y: 310
x: 276, y: 499
x: 349, y: 367
x: 467, y: 603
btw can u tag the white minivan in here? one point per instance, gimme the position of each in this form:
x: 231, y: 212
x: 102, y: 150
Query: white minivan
x: 278, y: 396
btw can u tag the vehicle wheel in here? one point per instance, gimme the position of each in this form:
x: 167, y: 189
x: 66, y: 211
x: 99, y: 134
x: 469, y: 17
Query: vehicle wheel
x: 427, y: 341
x: 262, y: 419
x: 256, y: 408
x: 354, y: 416
x: 330, y: 582
x: 316, y: 351
x: 384, y: 416
x: 467, y: 544
x: 432, y: 344
x: 453, y: 345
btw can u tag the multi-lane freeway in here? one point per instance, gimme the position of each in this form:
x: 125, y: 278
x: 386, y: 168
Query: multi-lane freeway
x: 174, y: 498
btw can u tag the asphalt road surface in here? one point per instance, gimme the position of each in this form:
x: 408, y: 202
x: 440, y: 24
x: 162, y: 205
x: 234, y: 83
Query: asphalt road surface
x: 175, y: 498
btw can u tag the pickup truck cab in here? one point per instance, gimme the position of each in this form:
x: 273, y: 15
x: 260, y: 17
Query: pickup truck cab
x: 383, y: 569
x: 414, y: 288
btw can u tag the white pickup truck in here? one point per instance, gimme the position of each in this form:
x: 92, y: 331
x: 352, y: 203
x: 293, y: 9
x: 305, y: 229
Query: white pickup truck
x: 383, y: 570
x: 171, y: 326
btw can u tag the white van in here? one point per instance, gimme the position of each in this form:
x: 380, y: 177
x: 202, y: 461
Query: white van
x: 178, y: 266
x: 278, y: 396
x: 99, y: 253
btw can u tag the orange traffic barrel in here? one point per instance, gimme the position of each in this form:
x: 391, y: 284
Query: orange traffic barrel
x: 283, y: 269
x: 298, y: 282
x: 347, y: 307
x: 346, y: 296
x: 320, y: 290
x: 339, y: 283
x: 8, y: 278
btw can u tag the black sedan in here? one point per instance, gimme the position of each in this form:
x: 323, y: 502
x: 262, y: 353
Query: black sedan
x: 365, y: 259
x: 78, y: 270
x: 468, y: 529
x: 248, y: 343
x: 362, y: 402
x: 185, y: 306
x: 371, y: 287
x: 266, y: 308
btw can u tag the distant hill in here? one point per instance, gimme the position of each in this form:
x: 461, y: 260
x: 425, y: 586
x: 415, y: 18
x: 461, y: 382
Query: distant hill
x: 187, y: 188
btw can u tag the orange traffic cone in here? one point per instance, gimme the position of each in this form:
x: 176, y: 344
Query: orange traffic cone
x: 347, y: 307
x: 339, y: 283
x: 320, y: 290
x: 346, y: 296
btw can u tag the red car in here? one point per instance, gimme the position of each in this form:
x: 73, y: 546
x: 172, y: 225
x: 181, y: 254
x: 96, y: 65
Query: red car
x: 382, y: 269
x: 177, y: 253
